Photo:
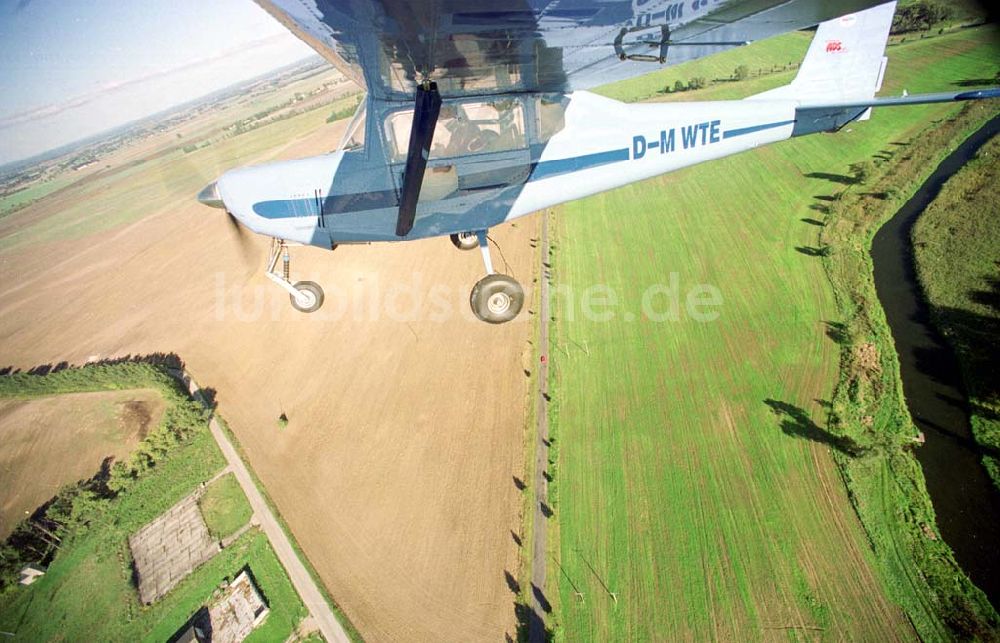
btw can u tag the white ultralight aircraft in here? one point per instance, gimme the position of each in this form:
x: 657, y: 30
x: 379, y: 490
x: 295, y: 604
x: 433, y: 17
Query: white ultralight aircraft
x: 476, y: 113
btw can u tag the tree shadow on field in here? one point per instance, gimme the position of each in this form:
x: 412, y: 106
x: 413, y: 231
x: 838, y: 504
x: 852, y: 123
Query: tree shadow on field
x: 45, y: 369
x: 169, y: 361
x: 970, y: 345
x: 540, y: 597
x: 990, y: 297
x: 530, y: 624
x: 512, y: 584
x: 811, y: 251
x: 837, y: 331
x: 796, y: 422
x: 974, y: 82
x: 842, y: 179
x: 814, y: 222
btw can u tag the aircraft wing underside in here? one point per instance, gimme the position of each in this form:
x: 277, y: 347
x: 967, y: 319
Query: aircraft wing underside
x: 478, y: 47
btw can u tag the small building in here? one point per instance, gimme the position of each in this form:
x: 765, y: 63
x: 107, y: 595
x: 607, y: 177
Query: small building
x: 30, y: 573
x: 228, y: 619
x: 238, y: 612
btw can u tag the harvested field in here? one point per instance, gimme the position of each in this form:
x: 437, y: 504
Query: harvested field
x: 52, y: 441
x: 404, y: 428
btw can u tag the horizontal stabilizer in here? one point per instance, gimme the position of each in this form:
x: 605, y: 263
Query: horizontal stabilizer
x: 813, y: 117
x: 915, y: 99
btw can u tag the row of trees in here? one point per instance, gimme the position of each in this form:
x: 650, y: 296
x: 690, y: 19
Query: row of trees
x: 919, y: 16
x: 697, y: 82
x: 741, y: 72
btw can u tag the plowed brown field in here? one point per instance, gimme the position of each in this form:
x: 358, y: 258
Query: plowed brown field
x: 405, y: 416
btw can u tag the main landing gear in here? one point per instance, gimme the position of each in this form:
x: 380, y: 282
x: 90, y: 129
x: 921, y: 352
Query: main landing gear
x: 306, y: 296
x: 495, y: 298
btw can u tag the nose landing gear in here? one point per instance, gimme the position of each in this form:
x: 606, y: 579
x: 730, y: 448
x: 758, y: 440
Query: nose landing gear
x: 465, y: 240
x: 306, y: 296
x: 495, y: 298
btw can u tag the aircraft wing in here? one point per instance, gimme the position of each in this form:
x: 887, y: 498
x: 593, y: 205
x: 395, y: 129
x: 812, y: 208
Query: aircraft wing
x: 478, y: 47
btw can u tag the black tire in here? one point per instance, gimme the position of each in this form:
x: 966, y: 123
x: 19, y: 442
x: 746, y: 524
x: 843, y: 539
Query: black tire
x: 465, y: 240
x: 496, y: 299
x: 312, y: 297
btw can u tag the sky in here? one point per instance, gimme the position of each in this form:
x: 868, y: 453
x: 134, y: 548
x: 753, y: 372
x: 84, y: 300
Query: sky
x: 73, y: 68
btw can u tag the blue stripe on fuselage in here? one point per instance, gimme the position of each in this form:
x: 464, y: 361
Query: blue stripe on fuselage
x: 729, y: 133
x: 545, y: 169
x: 287, y: 208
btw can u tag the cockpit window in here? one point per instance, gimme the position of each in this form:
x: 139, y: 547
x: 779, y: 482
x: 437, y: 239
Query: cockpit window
x: 550, y: 110
x: 464, y: 128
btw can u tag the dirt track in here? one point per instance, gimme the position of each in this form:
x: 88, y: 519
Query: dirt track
x: 394, y: 471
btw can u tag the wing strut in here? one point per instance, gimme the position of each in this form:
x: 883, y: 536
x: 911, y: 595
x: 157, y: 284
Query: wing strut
x: 425, y: 115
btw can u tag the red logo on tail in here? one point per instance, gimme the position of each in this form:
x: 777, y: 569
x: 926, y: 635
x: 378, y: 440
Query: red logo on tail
x: 833, y: 46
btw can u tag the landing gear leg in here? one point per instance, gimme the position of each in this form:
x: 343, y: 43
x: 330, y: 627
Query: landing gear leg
x: 495, y: 298
x: 306, y: 296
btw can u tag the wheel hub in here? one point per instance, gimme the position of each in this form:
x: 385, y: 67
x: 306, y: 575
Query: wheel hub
x: 498, y: 303
x: 305, y: 298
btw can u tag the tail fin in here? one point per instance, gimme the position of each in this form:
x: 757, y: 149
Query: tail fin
x: 843, y: 69
x: 845, y: 62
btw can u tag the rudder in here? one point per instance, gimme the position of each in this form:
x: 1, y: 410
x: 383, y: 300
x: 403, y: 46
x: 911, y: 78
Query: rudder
x: 845, y: 62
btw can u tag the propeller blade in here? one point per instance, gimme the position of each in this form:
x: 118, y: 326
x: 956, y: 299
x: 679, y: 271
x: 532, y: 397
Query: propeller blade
x: 209, y: 196
x: 243, y: 242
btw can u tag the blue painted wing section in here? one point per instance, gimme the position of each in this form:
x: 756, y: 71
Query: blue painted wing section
x: 478, y: 47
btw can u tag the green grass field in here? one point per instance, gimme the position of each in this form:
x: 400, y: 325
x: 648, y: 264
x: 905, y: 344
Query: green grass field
x: 765, y: 60
x: 958, y: 259
x: 694, y: 479
x: 23, y: 197
x: 224, y: 507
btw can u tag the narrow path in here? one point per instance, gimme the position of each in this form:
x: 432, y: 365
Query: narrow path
x: 317, y: 606
x: 540, y: 604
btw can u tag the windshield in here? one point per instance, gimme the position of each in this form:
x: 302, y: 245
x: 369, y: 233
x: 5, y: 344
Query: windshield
x: 464, y: 128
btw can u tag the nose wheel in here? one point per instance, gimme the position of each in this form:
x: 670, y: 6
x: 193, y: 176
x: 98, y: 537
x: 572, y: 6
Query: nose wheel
x: 306, y: 296
x: 465, y: 240
x: 495, y: 298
